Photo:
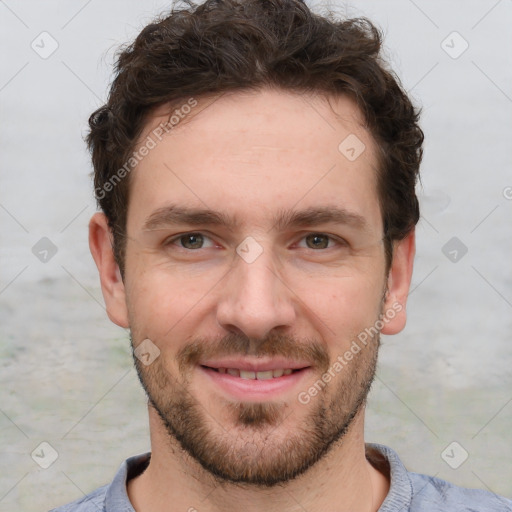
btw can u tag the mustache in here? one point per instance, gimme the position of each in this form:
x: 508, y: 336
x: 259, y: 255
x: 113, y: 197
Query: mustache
x: 235, y: 344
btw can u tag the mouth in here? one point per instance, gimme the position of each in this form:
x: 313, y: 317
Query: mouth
x: 255, y: 384
x: 255, y: 375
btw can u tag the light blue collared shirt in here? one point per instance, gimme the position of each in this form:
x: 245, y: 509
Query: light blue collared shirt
x: 408, y: 492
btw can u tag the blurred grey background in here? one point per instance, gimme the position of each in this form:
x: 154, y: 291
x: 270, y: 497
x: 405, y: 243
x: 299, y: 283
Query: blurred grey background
x: 443, y: 394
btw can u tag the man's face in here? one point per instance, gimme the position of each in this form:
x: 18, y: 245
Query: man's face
x: 258, y: 295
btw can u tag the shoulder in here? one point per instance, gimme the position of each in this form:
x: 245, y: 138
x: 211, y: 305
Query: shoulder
x: 416, y: 492
x: 436, y: 495
x: 93, y: 502
x: 112, y: 497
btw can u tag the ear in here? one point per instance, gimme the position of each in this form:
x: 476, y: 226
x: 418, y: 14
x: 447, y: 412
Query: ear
x: 399, y: 282
x: 112, y: 286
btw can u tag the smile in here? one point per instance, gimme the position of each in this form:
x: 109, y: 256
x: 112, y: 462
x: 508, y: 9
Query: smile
x: 252, y: 385
x: 261, y: 375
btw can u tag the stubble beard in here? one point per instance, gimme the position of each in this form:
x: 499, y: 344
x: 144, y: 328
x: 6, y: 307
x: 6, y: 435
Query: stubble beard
x: 249, y: 448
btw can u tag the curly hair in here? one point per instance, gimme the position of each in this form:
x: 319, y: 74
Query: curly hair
x: 235, y: 45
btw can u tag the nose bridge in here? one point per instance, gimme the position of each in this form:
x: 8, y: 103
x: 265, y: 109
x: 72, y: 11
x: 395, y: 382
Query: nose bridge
x: 255, y: 299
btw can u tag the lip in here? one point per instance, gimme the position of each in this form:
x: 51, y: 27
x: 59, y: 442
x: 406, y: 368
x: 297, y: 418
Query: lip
x: 254, y: 389
x: 256, y: 365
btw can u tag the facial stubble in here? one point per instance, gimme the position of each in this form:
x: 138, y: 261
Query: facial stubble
x: 250, y: 449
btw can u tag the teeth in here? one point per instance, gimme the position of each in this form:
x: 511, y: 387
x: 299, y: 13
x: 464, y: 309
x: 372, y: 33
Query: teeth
x: 265, y: 375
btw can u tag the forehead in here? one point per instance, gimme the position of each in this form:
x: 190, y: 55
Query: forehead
x: 250, y: 154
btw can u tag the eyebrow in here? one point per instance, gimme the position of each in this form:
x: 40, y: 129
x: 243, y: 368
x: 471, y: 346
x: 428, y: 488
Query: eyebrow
x: 285, y: 219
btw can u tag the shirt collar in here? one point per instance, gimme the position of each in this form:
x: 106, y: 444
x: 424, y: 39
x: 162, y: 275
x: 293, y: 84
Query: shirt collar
x: 380, y: 456
x: 116, y: 499
x: 399, y: 496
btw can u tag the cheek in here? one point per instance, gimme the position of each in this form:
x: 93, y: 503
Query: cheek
x: 160, y: 303
x: 345, y: 307
x: 167, y: 302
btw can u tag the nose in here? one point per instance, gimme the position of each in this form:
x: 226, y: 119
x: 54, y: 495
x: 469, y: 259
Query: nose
x: 255, y: 299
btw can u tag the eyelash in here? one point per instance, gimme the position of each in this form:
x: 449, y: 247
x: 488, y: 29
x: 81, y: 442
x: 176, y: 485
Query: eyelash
x: 339, y: 241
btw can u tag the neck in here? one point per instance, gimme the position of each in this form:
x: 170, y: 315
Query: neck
x: 343, y: 480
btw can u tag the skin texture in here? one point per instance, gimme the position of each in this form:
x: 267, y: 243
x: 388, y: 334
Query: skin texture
x: 251, y: 156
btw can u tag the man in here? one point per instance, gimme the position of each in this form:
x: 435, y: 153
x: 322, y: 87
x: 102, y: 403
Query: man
x: 256, y: 166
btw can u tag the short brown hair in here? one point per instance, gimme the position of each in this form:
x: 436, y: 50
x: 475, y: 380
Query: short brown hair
x: 230, y: 45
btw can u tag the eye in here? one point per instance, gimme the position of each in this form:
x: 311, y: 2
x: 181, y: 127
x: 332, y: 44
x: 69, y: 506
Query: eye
x: 195, y: 240
x: 320, y: 241
x: 190, y: 241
